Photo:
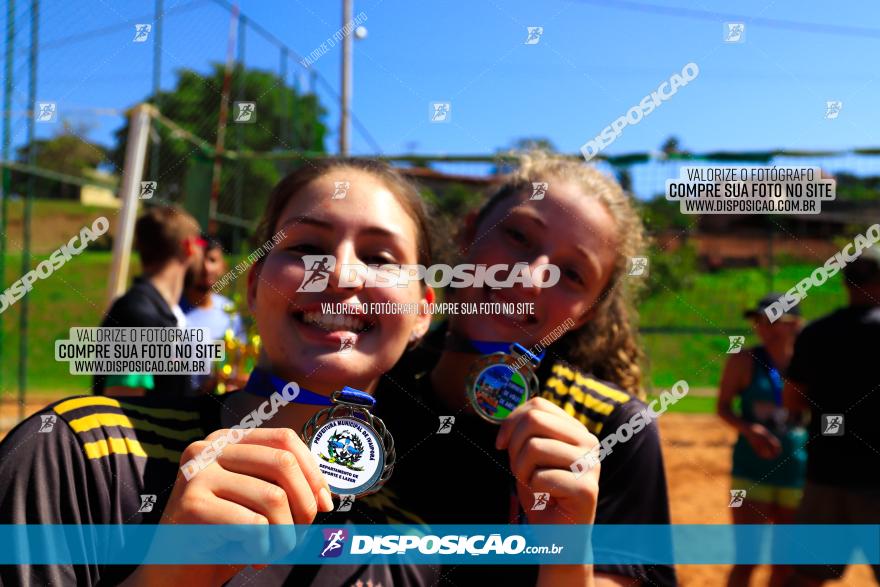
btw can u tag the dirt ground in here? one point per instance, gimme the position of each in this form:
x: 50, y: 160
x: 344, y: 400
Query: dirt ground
x: 697, y: 452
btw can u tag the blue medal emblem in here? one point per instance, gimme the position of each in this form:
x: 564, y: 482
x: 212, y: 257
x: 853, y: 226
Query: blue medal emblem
x: 501, y: 382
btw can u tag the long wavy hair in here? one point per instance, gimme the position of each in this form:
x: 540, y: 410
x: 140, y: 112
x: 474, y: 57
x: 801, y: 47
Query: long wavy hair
x: 607, y: 345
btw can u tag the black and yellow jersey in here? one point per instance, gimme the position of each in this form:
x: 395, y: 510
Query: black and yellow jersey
x: 460, y: 477
x: 592, y: 401
x: 101, y: 460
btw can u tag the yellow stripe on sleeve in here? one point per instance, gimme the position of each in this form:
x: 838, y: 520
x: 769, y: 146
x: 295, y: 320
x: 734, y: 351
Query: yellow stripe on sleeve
x: 83, y: 402
x: 592, y: 425
x: 579, y: 396
x: 95, y: 401
x: 120, y: 446
x: 589, y: 383
x: 93, y: 421
x: 125, y: 446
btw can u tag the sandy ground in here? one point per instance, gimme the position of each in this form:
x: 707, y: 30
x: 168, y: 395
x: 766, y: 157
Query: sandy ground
x: 697, y: 450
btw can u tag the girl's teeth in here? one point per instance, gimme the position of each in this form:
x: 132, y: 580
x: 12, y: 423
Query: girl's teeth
x: 334, y: 322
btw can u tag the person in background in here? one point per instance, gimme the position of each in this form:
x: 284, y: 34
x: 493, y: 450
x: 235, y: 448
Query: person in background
x: 205, y: 308
x: 769, y: 458
x: 170, y: 249
x: 833, y: 377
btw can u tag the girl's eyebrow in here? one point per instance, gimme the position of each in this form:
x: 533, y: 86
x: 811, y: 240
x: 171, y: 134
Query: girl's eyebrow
x: 325, y: 225
x: 527, y: 213
x: 307, y: 220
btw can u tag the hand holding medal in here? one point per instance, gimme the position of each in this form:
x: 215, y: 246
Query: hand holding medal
x: 541, y: 439
x: 351, y: 447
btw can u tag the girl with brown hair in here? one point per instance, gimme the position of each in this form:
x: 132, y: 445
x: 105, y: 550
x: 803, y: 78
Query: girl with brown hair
x: 105, y: 455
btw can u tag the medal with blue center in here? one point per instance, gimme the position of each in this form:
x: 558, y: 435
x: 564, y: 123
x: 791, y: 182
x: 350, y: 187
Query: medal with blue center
x: 501, y: 380
x: 352, y: 447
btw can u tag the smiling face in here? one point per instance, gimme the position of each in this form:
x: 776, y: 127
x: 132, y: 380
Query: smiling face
x: 566, y: 228
x: 369, y: 226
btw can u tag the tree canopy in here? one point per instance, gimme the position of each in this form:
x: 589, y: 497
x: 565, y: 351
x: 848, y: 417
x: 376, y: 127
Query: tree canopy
x: 286, y: 120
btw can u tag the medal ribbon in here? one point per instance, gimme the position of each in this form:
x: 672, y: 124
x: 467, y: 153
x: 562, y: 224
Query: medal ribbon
x: 773, y: 373
x: 458, y: 343
x: 264, y: 384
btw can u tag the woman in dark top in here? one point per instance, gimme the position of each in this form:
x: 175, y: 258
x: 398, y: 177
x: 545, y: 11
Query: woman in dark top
x: 769, y: 457
x: 590, y: 381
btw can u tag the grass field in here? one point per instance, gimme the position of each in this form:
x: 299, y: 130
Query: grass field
x: 716, y: 302
x: 75, y: 295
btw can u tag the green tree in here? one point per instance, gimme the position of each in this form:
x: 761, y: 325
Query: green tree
x: 67, y: 152
x: 671, y: 271
x: 448, y: 211
x: 660, y: 214
x: 286, y: 120
x: 671, y: 146
x: 853, y: 187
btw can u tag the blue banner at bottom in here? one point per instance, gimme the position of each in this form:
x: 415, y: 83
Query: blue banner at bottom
x: 439, y: 544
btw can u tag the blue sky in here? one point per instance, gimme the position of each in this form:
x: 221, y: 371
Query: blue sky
x: 594, y: 61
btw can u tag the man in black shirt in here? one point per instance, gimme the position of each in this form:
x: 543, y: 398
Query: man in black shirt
x: 170, y: 248
x: 834, y: 377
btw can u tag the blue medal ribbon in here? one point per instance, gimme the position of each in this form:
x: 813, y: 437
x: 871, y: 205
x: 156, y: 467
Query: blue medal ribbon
x: 456, y: 342
x: 488, y: 347
x: 776, y: 380
x: 773, y: 374
x: 264, y: 384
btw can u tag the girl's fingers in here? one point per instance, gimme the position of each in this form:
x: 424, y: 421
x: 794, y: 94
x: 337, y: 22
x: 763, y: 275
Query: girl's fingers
x: 562, y: 488
x: 537, y: 423
x: 278, y: 467
x: 544, y: 453
x: 262, y: 497
x: 251, y: 516
x: 286, y: 439
x: 547, y: 418
x: 204, y: 507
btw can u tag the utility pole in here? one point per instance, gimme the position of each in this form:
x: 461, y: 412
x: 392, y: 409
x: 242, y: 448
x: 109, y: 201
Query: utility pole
x: 221, y: 121
x: 345, y: 95
x: 157, y: 84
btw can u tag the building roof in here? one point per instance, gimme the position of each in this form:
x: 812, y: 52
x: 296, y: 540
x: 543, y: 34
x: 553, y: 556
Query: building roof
x: 425, y: 174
